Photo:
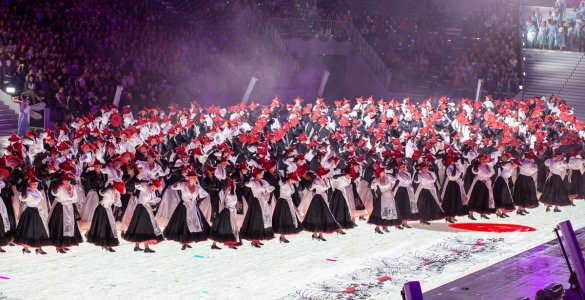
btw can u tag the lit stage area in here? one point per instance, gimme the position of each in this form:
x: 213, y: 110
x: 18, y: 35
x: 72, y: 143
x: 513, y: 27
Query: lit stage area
x: 359, y: 265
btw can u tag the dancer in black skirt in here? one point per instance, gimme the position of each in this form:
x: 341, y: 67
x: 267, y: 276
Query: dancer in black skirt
x: 102, y: 231
x: 384, y: 212
x: 481, y: 197
x: 453, y: 192
x: 32, y: 230
x: 187, y: 224
x: 404, y: 195
x: 225, y: 228
x: 318, y: 217
x: 63, y: 229
x: 574, y: 176
x: 257, y: 225
x: 503, y: 186
x: 555, y: 192
x: 5, y: 228
x: 429, y: 205
x: 143, y: 227
x: 284, y: 218
x: 525, y: 187
x: 338, y: 203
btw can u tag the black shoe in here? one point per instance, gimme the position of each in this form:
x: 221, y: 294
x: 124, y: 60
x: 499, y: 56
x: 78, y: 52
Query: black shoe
x: 505, y: 215
x: 340, y: 232
x: 322, y: 239
x: 314, y: 237
x: 400, y: 227
x: 425, y: 222
x: 520, y: 212
x: 485, y: 217
x: 66, y: 249
x: 148, y: 250
x: 188, y: 246
x: 284, y: 240
x: 525, y: 211
x: 24, y: 250
x: 233, y: 247
x: 260, y: 243
x: 137, y: 248
x: 110, y: 249
x: 557, y: 210
x: 573, y: 204
x: 454, y: 220
x: 547, y: 209
x: 450, y: 220
x: 184, y: 247
x: 406, y: 226
x: 2, y: 250
x: 214, y: 247
x: 385, y: 229
x: 472, y: 217
x: 377, y: 230
x: 61, y: 251
x: 362, y: 218
x: 255, y: 245
x: 40, y: 251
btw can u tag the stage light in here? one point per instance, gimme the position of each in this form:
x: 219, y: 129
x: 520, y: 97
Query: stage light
x: 523, y: 57
x: 521, y: 87
x: 523, y: 73
x: 10, y: 90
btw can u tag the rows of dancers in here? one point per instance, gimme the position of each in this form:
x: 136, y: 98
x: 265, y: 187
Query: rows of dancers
x: 255, y: 173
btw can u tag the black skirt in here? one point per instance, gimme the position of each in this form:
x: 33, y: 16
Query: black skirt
x: 576, y: 184
x: 31, y: 230
x: 376, y: 215
x: 56, y: 229
x: 221, y: 230
x: 100, y: 232
x: 319, y: 218
x: 403, y: 205
x: 340, y: 210
x: 555, y: 192
x: 282, y: 220
x: 479, y: 199
x: 428, y: 210
x: 5, y: 237
x: 541, y: 176
x: 177, y: 229
x: 452, y: 203
x: 253, y: 225
x: 502, y: 195
x: 140, y: 228
x: 525, y: 192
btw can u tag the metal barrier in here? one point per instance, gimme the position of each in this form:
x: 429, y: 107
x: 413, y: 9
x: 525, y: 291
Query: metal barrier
x: 337, y: 30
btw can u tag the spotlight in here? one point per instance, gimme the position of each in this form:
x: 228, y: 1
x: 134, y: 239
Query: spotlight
x: 521, y: 87
x: 523, y: 57
x: 10, y: 90
x: 523, y: 73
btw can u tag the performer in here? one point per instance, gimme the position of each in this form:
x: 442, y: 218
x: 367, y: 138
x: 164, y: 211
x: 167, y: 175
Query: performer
x: 404, y: 195
x: 225, y: 228
x: 32, y: 230
x: 318, y: 218
x: 555, y: 192
x: 453, y: 193
x: 143, y: 227
x: 502, y: 189
x: 102, y: 231
x: 213, y: 186
x: 187, y: 224
x: 257, y: 225
x: 284, y: 219
x: 428, y: 203
x: 5, y: 228
x: 63, y: 228
x: 525, y: 186
x: 481, y: 197
x: 574, y: 176
x: 339, y: 202
x: 384, y: 212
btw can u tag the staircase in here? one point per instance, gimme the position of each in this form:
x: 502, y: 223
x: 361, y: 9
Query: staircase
x: 560, y: 73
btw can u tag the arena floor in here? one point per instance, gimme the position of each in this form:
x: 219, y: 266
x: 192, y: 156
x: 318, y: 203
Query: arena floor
x: 359, y: 265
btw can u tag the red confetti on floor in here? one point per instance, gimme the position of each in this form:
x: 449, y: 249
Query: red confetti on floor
x: 492, y: 227
x: 349, y: 290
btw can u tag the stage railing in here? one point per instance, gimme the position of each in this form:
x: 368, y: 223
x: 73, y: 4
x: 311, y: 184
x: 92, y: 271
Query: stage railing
x: 337, y: 30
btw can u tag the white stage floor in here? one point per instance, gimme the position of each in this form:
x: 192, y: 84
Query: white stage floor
x: 304, y: 269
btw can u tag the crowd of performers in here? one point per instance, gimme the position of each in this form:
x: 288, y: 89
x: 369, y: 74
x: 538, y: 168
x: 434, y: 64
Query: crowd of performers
x: 251, y: 172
